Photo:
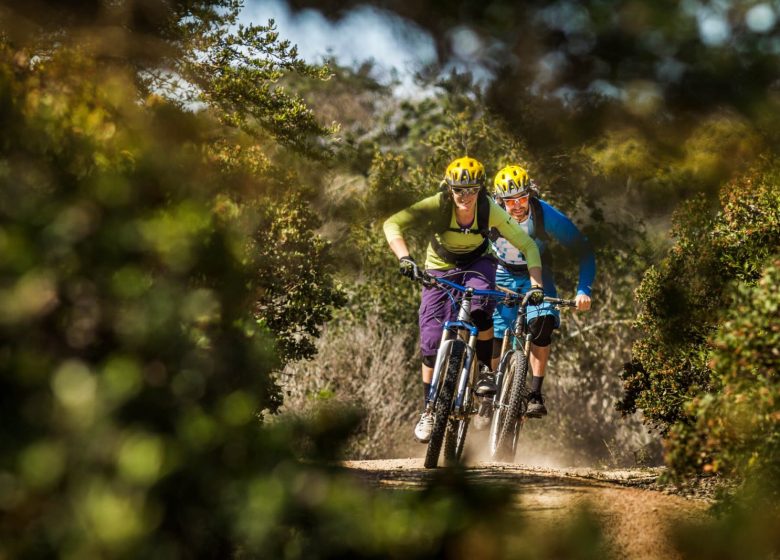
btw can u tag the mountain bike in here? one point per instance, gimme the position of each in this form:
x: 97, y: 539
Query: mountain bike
x: 510, y: 404
x: 451, y: 396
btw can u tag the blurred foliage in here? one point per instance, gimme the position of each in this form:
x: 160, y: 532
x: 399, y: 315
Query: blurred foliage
x: 747, y: 525
x: 137, y: 237
x: 132, y: 369
x: 657, y: 176
x: 704, y: 370
x: 165, y: 199
x: 195, y: 53
x: 736, y: 430
x: 648, y: 61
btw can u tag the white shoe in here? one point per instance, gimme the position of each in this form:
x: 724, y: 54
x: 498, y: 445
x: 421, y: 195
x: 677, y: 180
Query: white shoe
x: 422, y: 432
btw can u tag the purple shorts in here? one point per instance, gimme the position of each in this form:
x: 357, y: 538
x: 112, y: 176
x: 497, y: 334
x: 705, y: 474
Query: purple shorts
x: 436, y: 306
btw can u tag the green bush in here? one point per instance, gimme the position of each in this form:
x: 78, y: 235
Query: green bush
x: 132, y: 368
x: 692, y: 308
x: 737, y: 429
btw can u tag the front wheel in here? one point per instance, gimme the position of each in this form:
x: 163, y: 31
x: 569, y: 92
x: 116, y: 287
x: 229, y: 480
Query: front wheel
x: 500, y: 408
x: 512, y: 420
x: 443, y: 405
x: 455, y: 438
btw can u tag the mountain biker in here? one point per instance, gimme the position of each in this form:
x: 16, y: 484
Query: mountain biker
x: 515, y: 191
x: 458, y: 219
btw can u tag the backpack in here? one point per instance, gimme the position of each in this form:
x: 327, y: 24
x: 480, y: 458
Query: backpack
x: 442, y: 225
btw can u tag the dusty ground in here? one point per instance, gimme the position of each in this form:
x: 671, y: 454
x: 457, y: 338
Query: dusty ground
x: 634, y: 516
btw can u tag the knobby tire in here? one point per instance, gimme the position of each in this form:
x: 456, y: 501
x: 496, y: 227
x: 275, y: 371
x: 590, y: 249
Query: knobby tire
x: 455, y: 438
x: 499, y: 413
x: 441, y: 411
x: 518, y: 403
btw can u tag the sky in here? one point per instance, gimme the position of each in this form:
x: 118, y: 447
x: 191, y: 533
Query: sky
x: 394, y: 43
x: 363, y: 33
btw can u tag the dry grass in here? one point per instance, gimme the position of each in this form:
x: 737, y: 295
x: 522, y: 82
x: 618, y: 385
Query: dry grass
x: 377, y: 369
x: 368, y: 366
x: 581, y: 389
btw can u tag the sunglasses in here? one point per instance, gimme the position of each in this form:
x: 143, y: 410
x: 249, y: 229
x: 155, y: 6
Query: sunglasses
x: 465, y: 191
x: 522, y: 199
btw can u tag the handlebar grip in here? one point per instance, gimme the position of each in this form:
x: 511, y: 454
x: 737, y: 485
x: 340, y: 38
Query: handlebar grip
x: 561, y: 302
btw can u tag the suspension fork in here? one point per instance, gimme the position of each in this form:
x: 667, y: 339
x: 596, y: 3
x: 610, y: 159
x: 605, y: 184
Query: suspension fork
x: 444, y: 350
x: 519, y: 333
x: 465, y: 372
x: 448, y: 336
x: 464, y: 317
x: 506, y: 355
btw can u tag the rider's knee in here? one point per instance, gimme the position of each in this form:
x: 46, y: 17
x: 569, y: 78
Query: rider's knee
x: 541, y: 330
x: 429, y: 361
x: 482, y: 319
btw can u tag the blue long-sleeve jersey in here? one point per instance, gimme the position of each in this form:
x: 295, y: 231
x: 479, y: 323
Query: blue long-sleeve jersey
x: 560, y: 228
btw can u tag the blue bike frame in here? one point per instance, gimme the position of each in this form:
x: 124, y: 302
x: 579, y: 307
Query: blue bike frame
x: 450, y: 331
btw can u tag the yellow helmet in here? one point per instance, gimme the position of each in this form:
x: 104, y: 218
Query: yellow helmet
x: 465, y: 172
x: 512, y: 180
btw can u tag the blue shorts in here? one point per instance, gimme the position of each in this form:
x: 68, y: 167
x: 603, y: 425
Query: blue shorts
x: 504, y: 317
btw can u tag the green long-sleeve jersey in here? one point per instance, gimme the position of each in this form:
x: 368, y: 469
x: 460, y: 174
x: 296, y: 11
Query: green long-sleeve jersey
x: 424, y: 212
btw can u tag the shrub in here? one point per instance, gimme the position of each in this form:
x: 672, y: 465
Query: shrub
x: 687, y: 310
x: 737, y: 429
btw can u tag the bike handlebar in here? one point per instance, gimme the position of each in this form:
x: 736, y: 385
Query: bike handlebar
x: 560, y: 302
x: 507, y: 296
x: 429, y: 280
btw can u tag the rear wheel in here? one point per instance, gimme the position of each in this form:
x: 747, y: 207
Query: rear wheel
x: 441, y: 410
x: 512, y: 422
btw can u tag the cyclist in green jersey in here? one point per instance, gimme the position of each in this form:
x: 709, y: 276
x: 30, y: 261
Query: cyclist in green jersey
x: 459, y: 219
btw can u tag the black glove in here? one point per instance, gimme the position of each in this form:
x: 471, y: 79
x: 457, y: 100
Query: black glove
x: 535, y: 295
x: 408, y: 267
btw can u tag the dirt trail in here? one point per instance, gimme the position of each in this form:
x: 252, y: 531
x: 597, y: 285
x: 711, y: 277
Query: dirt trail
x: 635, y: 518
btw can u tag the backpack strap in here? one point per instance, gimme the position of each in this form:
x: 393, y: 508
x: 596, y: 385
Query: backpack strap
x: 482, y: 214
x: 445, y: 219
x: 537, y: 214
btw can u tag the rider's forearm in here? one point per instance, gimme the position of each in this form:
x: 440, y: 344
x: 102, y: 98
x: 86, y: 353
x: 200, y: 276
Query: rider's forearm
x: 535, y: 273
x: 398, y: 245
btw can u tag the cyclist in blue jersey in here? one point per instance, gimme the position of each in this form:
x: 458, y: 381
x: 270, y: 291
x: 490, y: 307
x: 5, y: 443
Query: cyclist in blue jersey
x: 515, y: 191
x: 458, y: 221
